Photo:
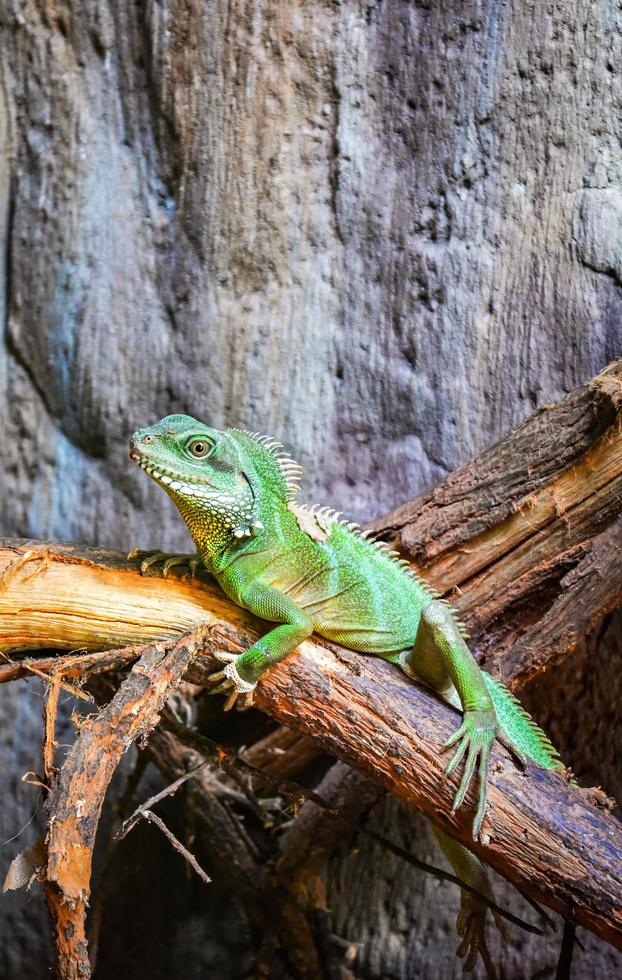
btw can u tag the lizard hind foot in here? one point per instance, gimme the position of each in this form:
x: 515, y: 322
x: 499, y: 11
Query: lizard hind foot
x: 470, y: 926
x: 475, y: 738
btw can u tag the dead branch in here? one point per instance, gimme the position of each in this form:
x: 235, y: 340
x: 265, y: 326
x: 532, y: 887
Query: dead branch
x: 130, y: 822
x: 77, y: 795
x: 343, y: 797
x: 528, y: 532
x: 151, y: 817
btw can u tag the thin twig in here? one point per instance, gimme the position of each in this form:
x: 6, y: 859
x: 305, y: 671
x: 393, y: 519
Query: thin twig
x: 448, y: 876
x: 565, y: 954
x: 169, y: 790
x: 190, y: 858
x: 12, y: 670
x: 51, y: 707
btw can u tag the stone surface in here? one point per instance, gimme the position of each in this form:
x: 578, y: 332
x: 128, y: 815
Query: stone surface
x: 380, y: 230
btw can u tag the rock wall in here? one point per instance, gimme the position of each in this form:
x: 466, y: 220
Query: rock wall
x: 380, y: 230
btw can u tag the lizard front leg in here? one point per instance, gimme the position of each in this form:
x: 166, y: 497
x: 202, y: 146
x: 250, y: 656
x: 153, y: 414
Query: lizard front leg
x: 441, y: 658
x: 242, y: 671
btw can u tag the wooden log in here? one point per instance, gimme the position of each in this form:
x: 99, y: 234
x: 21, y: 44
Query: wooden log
x: 540, y: 832
x: 527, y: 531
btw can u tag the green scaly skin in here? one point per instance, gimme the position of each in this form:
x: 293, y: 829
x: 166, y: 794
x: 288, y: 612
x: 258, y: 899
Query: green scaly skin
x: 307, y: 571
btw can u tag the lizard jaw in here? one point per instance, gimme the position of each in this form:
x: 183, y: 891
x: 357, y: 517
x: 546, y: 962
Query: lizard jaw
x: 167, y: 478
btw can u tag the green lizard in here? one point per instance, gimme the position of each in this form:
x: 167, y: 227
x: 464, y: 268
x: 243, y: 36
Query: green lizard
x: 307, y: 570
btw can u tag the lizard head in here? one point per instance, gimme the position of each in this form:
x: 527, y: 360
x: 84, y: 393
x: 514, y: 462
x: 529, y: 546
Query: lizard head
x: 203, y: 470
x: 221, y: 482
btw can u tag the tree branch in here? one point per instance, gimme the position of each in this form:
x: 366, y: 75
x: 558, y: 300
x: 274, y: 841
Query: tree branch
x: 541, y: 833
x: 528, y: 531
x: 526, y: 536
x: 77, y: 793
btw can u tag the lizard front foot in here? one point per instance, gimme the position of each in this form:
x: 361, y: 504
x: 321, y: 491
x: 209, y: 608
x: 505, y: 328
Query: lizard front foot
x: 230, y: 681
x: 475, y: 736
x: 149, y: 559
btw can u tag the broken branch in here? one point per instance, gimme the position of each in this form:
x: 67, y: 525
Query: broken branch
x: 77, y: 795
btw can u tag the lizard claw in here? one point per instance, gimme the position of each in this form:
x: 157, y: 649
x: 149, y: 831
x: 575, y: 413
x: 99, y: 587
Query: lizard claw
x: 230, y: 681
x: 470, y: 926
x: 231, y: 700
x: 475, y: 737
x: 514, y: 750
x: 225, y: 656
x: 149, y: 559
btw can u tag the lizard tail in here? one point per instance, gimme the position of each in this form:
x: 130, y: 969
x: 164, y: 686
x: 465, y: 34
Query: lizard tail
x: 518, y: 729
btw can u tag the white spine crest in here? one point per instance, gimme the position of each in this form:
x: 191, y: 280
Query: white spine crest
x: 291, y: 471
x: 325, y: 518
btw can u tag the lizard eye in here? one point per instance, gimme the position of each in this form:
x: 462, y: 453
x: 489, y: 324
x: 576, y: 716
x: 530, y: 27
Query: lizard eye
x: 199, y: 448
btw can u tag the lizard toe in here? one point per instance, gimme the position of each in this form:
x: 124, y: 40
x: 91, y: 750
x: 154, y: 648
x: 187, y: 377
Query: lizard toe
x: 225, y: 656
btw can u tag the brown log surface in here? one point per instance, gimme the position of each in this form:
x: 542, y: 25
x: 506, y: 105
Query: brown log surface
x: 526, y: 537
x: 540, y: 832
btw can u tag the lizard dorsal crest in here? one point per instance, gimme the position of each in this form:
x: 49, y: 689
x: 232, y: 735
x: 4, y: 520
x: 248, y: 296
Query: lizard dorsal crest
x: 316, y: 523
x: 290, y: 470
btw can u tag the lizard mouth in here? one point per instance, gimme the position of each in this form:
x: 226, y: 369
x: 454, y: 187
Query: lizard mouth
x: 169, y: 478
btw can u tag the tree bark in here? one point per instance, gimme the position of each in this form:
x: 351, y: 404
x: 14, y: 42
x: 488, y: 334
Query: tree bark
x: 539, y: 832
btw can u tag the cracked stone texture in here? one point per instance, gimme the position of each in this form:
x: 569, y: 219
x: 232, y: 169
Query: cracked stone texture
x: 380, y: 230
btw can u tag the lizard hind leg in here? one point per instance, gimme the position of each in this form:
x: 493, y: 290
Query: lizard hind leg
x: 441, y: 659
x: 471, y: 921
